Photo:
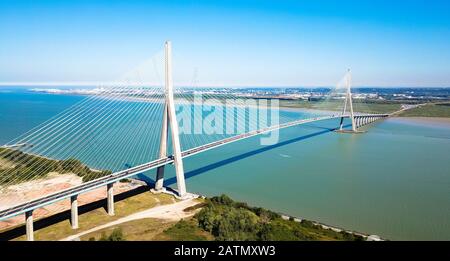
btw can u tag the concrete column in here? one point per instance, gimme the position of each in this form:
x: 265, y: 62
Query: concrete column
x: 162, y: 150
x: 176, y: 147
x: 74, y: 211
x: 341, y: 124
x: 349, y: 94
x: 29, y: 225
x: 110, y: 199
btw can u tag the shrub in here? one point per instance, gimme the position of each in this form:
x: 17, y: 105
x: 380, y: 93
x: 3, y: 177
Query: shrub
x: 116, y: 235
x: 222, y: 200
x: 229, y: 220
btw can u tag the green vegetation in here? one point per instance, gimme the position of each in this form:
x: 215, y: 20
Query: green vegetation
x: 116, y: 235
x: 185, y: 230
x: 429, y: 110
x: 221, y: 218
x: 20, y: 167
x: 228, y: 220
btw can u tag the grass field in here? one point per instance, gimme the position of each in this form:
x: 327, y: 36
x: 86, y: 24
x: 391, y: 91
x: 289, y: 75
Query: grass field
x: 150, y: 229
x: 143, y: 229
x: 99, y: 216
x: 429, y: 110
x: 378, y: 107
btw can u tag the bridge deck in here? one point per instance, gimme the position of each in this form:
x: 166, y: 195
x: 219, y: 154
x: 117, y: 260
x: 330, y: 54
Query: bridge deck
x: 49, y: 199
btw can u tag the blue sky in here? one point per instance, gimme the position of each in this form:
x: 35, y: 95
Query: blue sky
x: 232, y: 43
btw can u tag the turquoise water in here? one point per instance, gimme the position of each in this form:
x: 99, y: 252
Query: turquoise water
x: 21, y: 110
x: 393, y: 181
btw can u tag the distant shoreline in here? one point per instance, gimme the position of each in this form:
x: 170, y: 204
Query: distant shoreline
x: 437, y: 121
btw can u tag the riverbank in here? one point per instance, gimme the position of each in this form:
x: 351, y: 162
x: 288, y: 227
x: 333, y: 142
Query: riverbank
x: 325, y: 231
x: 229, y: 220
x: 335, y: 229
x: 215, y: 219
x: 150, y: 216
x: 439, y: 110
x: 434, y: 121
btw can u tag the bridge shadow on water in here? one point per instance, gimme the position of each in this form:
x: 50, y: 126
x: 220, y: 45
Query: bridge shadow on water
x: 19, y: 230
x: 230, y: 160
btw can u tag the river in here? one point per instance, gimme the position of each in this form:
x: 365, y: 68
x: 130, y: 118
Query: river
x: 392, y: 181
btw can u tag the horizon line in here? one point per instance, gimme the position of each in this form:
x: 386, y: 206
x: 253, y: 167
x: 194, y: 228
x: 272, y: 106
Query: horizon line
x: 104, y: 84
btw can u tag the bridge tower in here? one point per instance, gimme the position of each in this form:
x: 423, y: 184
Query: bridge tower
x: 169, y: 119
x: 348, y: 99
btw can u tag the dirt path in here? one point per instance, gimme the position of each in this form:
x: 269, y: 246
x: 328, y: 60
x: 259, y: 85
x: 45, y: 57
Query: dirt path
x: 173, y: 212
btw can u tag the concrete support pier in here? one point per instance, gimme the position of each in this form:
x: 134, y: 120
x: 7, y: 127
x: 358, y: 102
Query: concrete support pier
x: 341, y: 123
x: 29, y: 225
x: 110, y: 199
x: 74, y: 211
x: 162, y: 150
x: 176, y: 147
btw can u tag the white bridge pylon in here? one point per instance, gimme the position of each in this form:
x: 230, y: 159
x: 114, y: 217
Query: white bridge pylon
x: 169, y: 124
x: 169, y: 117
x: 348, y: 99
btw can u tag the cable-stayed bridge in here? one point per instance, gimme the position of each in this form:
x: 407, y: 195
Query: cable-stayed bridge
x: 50, y: 147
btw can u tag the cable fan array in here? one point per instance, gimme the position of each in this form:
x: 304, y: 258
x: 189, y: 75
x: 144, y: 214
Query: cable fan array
x: 120, y: 126
x: 114, y: 129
